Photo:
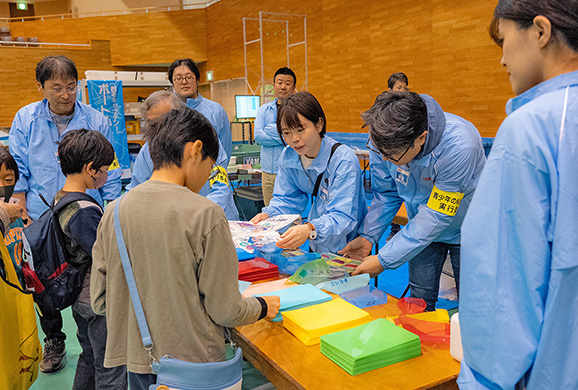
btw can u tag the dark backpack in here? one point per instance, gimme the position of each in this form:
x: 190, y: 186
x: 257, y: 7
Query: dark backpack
x: 55, y: 283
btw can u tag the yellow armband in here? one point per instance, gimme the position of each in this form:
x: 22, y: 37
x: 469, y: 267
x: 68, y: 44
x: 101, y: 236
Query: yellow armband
x: 445, y: 202
x: 114, y: 164
x: 221, y: 176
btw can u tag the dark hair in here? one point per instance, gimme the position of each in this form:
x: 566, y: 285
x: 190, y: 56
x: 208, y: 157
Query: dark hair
x: 286, y: 71
x: 7, y: 159
x: 396, y: 77
x: 302, y: 103
x: 81, y: 147
x: 396, y: 120
x: 562, y: 14
x: 170, y: 133
x: 54, y: 67
x: 186, y: 62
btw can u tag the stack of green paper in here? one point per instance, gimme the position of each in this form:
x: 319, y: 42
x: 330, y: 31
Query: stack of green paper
x: 370, y: 346
x: 310, y: 323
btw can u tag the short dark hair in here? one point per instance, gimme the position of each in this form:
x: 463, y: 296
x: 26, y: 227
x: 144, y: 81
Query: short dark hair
x: 396, y: 77
x: 53, y: 67
x: 81, y: 147
x: 186, y: 62
x: 286, y: 71
x: 7, y: 159
x: 170, y: 133
x: 396, y: 120
x: 303, y: 103
x: 562, y: 14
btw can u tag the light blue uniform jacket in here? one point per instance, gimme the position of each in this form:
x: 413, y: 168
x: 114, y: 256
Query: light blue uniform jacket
x: 519, y: 286
x: 452, y: 159
x: 215, y: 113
x: 220, y: 193
x: 34, y: 144
x: 340, y: 204
x: 267, y: 136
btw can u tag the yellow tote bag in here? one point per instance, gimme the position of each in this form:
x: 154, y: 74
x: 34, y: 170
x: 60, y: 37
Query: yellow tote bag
x: 20, y: 350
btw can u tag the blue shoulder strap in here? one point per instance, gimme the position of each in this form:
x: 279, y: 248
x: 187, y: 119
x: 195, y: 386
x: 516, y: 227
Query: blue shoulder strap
x: 136, y: 303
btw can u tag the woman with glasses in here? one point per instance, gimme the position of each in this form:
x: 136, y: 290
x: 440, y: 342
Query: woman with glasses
x: 431, y: 160
x: 314, y: 166
x: 519, y: 303
x: 185, y: 76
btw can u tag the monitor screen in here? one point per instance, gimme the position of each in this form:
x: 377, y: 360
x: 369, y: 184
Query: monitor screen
x: 246, y: 106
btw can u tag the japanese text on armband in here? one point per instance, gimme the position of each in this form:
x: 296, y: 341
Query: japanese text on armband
x: 222, y: 176
x: 445, y: 202
x: 115, y: 164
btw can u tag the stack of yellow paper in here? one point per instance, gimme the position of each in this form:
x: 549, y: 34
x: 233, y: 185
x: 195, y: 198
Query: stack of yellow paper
x: 310, y: 323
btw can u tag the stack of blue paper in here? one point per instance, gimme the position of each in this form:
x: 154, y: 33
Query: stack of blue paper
x: 298, y: 297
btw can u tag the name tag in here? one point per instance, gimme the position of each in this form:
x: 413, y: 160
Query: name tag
x: 402, y: 176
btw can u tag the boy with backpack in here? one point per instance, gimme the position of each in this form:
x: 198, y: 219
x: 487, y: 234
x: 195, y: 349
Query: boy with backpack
x: 85, y: 157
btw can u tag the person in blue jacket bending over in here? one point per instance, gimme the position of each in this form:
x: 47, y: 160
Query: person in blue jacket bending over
x: 34, y: 136
x: 519, y: 302
x: 217, y: 188
x: 311, y: 160
x: 266, y: 133
x: 185, y: 76
x: 431, y: 160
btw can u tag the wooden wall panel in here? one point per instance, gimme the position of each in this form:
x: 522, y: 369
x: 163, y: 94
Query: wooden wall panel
x: 353, y: 47
x: 135, y: 39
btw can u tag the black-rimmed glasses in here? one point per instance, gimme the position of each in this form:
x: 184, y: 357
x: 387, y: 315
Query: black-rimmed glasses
x: 387, y: 156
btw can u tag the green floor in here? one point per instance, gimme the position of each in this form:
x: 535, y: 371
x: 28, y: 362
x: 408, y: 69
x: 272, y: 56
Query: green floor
x: 62, y: 380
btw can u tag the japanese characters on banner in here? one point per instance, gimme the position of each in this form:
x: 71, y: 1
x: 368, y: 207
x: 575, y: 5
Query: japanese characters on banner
x: 106, y: 97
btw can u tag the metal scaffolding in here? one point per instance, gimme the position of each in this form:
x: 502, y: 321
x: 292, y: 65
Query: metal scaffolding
x: 273, y: 18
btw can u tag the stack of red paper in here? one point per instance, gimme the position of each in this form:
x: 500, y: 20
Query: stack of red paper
x: 257, y: 269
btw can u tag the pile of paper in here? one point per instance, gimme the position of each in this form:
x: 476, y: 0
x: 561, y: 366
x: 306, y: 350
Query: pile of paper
x: 370, y: 346
x: 257, y: 269
x: 298, y: 297
x: 312, y: 322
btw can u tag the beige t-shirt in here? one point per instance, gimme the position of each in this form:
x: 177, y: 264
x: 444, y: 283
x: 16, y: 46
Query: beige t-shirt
x: 186, y: 270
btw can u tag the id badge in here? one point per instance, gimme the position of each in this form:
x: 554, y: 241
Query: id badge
x: 402, y: 176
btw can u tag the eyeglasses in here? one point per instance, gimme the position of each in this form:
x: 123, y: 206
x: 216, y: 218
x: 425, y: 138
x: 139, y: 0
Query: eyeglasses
x: 388, y: 156
x: 215, y: 170
x: 60, y: 90
x: 189, y: 78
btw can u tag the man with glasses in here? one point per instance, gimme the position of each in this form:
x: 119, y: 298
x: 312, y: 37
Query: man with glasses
x: 431, y: 160
x: 217, y: 188
x: 184, y: 75
x: 34, y: 137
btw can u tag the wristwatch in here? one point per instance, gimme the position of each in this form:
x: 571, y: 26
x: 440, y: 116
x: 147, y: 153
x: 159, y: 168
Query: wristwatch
x: 312, y: 232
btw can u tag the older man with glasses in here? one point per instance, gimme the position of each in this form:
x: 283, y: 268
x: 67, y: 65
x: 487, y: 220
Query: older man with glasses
x: 217, y: 188
x: 431, y: 160
x: 34, y: 137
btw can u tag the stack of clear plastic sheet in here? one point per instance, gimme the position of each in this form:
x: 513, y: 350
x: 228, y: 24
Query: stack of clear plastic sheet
x: 370, y: 346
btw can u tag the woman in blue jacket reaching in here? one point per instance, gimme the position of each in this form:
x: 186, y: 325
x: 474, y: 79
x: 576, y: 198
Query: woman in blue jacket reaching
x: 315, y: 166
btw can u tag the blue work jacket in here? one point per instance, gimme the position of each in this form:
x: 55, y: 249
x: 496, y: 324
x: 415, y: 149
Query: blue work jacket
x: 451, y: 159
x: 519, y: 270
x: 219, y: 193
x: 267, y: 136
x: 215, y: 113
x: 340, y: 205
x: 34, y: 142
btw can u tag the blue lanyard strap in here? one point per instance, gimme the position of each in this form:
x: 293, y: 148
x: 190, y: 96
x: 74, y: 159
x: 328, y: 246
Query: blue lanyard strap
x: 140, y: 316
